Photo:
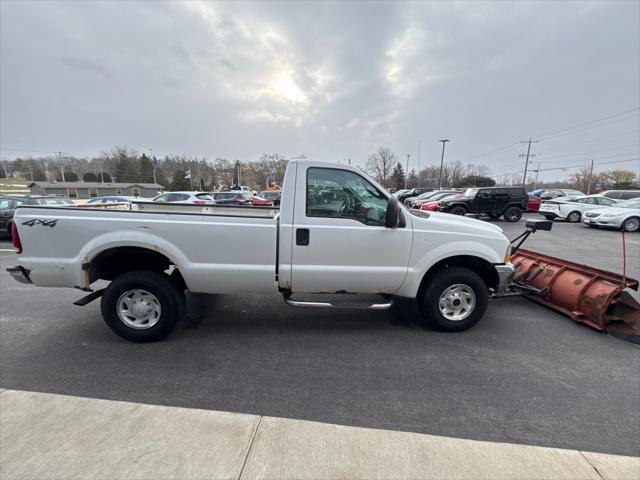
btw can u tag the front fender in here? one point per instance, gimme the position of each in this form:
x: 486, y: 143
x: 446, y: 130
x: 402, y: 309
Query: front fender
x: 422, y: 262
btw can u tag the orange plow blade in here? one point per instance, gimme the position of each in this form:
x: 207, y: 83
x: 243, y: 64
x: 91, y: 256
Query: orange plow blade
x: 588, y: 295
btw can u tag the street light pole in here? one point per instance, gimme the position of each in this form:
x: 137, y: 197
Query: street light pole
x: 444, y: 141
x: 406, y: 173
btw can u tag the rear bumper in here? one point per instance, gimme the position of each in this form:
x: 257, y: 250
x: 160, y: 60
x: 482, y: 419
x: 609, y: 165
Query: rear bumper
x: 505, y: 276
x: 20, y: 274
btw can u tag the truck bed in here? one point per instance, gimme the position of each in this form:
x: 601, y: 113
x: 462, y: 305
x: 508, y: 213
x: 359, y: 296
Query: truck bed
x: 218, y: 249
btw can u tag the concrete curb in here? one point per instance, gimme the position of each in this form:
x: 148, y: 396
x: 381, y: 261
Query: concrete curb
x: 57, y: 436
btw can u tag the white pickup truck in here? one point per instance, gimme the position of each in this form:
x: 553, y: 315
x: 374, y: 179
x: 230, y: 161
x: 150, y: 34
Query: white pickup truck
x: 337, y: 232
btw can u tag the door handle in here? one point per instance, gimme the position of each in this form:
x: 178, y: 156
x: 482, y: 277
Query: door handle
x: 302, y: 236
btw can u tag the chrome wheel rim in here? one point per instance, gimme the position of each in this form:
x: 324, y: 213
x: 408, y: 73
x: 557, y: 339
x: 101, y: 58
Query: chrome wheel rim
x: 574, y: 217
x: 457, y: 302
x: 632, y: 225
x: 138, y: 309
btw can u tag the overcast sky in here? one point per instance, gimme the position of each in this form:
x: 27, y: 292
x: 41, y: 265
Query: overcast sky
x: 328, y: 80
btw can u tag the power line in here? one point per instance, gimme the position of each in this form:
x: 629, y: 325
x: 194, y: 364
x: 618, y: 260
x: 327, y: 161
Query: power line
x: 573, y: 166
x: 588, y: 124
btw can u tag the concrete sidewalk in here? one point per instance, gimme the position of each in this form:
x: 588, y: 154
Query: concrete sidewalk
x: 45, y: 436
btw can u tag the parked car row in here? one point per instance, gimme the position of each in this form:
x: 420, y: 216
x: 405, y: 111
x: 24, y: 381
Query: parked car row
x: 613, y: 208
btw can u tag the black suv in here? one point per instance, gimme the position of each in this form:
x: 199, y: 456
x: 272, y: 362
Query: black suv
x: 8, y: 204
x: 492, y: 201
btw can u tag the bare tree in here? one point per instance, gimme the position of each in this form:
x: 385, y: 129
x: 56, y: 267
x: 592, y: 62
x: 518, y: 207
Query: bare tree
x: 380, y: 165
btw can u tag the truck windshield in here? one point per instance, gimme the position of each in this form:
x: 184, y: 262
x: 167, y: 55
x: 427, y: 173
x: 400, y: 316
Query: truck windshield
x: 470, y: 192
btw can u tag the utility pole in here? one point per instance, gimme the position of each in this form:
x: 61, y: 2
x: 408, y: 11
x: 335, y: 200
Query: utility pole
x: 419, y: 163
x: 535, y: 183
x: 406, y: 174
x: 590, y: 179
x: 154, y: 165
x: 528, y: 155
x: 444, y: 142
x: 4, y: 167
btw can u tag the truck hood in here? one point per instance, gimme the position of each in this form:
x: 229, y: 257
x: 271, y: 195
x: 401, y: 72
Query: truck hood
x: 455, y: 223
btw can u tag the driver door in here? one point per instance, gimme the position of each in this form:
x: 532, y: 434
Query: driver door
x: 339, y: 242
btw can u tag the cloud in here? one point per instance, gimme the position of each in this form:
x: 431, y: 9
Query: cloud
x: 332, y: 80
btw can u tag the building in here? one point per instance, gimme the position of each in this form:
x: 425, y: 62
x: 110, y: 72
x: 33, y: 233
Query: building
x: 87, y: 190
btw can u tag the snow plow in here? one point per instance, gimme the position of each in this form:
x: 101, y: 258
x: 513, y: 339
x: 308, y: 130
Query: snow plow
x: 588, y: 295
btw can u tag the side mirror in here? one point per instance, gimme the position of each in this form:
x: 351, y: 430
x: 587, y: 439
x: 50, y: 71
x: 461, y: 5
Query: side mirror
x: 394, y: 218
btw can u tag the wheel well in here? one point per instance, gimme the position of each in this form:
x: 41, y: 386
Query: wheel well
x: 113, y: 262
x: 476, y: 264
x: 456, y: 205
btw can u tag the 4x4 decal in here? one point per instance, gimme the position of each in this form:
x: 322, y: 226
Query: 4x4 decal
x: 37, y: 221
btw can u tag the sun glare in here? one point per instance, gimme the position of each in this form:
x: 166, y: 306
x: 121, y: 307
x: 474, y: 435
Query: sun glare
x: 286, y: 87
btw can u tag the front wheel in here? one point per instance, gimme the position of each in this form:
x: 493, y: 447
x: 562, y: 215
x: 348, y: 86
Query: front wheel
x: 454, y: 299
x: 512, y: 214
x: 574, y: 217
x: 458, y: 210
x: 142, y: 306
x: 549, y: 217
x: 631, y: 224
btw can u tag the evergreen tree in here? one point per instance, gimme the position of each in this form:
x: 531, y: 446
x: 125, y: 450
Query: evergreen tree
x: 122, y: 169
x: 412, y: 181
x: 70, y: 176
x: 90, y: 177
x: 398, y: 177
x: 178, y: 182
x: 105, y: 176
x: 146, y: 170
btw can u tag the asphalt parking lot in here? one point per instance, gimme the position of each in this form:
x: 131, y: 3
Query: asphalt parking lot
x: 524, y: 374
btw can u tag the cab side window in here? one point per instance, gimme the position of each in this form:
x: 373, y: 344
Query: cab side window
x: 5, y: 204
x: 339, y: 193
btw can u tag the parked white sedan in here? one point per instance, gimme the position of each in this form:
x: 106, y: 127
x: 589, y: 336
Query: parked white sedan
x: 624, y: 216
x: 571, y: 208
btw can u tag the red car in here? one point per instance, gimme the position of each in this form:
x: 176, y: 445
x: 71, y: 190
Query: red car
x: 533, y: 205
x: 433, y: 205
x: 261, y: 202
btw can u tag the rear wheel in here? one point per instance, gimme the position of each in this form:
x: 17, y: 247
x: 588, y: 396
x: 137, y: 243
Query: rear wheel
x: 574, y: 217
x: 142, y: 306
x: 512, y: 214
x: 631, y: 224
x: 454, y: 299
x: 458, y: 210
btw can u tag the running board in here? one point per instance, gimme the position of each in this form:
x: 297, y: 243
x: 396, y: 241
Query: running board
x: 349, y: 306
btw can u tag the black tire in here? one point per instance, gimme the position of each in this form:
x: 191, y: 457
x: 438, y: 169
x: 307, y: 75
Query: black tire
x: 574, y: 217
x: 437, y: 284
x: 494, y: 216
x: 170, y: 298
x: 550, y: 217
x: 631, y: 224
x: 512, y: 214
x: 458, y: 210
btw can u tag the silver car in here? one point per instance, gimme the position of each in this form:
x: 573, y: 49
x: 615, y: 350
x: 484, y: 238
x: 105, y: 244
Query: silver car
x: 623, y: 215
